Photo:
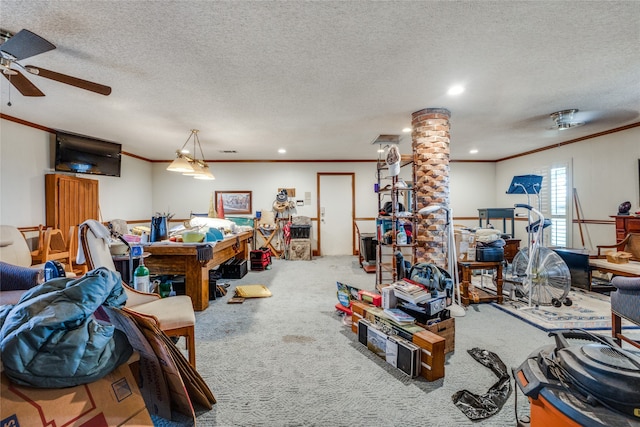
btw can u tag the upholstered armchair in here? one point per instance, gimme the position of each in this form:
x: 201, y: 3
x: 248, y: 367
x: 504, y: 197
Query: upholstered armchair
x: 15, y: 280
x: 174, y: 315
x: 625, y: 304
x: 13, y: 247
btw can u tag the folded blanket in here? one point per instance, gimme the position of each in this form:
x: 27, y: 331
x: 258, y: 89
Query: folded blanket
x: 99, y: 230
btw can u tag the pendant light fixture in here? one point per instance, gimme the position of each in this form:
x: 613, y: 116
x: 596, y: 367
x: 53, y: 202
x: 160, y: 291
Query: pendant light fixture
x: 188, y: 164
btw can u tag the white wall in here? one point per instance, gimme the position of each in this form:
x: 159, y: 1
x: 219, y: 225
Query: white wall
x: 181, y: 195
x: 605, y: 174
x: 472, y: 187
x: 25, y: 158
x: 129, y: 196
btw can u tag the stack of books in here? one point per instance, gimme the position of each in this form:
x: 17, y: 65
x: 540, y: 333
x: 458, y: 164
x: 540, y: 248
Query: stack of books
x: 410, y: 292
x: 399, y: 316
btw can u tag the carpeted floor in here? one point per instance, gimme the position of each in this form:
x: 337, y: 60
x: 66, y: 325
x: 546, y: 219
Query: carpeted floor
x: 290, y: 360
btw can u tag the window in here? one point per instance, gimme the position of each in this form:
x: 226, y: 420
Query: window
x: 558, y: 204
x: 555, y: 204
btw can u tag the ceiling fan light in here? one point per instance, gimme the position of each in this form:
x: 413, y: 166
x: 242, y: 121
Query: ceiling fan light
x: 563, y: 120
x: 180, y: 164
x: 565, y: 126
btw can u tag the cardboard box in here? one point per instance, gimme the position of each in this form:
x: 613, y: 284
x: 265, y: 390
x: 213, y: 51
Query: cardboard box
x: 113, y: 400
x: 618, y: 257
x: 447, y: 330
x: 300, y: 250
x: 465, y: 245
x: 148, y: 370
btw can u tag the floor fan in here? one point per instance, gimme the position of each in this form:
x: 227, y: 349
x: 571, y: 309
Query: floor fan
x: 456, y: 308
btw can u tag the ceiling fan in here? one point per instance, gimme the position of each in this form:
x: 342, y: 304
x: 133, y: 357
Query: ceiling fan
x: 565, y: 119
x: 25, y: 44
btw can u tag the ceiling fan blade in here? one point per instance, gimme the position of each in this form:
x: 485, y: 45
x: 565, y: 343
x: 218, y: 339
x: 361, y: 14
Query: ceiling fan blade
x: 73, y: 81
x: 24, y: 86
x: 25, y: 44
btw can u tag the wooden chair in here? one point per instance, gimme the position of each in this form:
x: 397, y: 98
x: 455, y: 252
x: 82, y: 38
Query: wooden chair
x: 72, y: 247
x: 173, y: 315
x: 53, y: 248
x: 631, y: 244
x: 37, y: 252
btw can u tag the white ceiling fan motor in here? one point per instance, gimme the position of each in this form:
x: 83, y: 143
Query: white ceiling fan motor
x: 564, y: 119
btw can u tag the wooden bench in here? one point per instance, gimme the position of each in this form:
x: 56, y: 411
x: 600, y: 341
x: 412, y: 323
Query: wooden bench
x: 629, y: 269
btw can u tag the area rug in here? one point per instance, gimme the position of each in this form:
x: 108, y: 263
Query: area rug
x: 589, y: 311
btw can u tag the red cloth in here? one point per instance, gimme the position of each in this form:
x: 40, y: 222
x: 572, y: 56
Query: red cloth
x: 220, y: 207
x: 286, y: 232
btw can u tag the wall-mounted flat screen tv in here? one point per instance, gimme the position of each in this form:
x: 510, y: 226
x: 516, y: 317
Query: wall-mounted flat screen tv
x: 84, y: 154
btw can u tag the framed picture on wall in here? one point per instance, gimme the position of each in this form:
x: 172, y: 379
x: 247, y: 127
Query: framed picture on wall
x: 234, y: 202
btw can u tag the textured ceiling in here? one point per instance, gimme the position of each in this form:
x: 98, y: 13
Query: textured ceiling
x: 324, y: 79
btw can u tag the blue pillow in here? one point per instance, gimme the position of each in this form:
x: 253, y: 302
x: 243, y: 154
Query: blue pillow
x: 18, y: 278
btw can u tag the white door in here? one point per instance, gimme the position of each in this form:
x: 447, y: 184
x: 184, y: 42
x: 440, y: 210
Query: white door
x: 335, y: 193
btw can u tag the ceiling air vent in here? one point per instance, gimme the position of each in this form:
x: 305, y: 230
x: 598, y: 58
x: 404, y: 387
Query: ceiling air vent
x: 386, y: 139
x: 228, y: 151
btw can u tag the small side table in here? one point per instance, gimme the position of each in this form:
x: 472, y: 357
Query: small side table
x: 466, y: 267
x: 511, y: 248
x: 497, y: 213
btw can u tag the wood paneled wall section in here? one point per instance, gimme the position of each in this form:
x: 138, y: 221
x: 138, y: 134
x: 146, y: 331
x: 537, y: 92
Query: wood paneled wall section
x: 70, y: 201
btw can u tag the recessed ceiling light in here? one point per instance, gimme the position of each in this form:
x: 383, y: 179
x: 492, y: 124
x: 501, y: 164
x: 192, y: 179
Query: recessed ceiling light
x: 405, y: 130
x: 474, y: 151
x: 455, y: 90
x: 282, y: 151
x: 381, y: 150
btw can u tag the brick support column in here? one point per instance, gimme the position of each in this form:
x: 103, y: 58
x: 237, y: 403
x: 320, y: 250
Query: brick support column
x: 430, y: 142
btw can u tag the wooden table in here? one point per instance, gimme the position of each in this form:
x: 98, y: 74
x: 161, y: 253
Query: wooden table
x: 182, y: 259
x: 466, y: 267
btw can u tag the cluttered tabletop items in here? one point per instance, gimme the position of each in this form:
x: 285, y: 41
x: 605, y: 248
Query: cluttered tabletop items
x: 196, y: 230
x: 191, y: 249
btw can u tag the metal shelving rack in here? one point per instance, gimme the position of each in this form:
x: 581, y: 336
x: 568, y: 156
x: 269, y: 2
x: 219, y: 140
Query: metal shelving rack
x: 386, y: 264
